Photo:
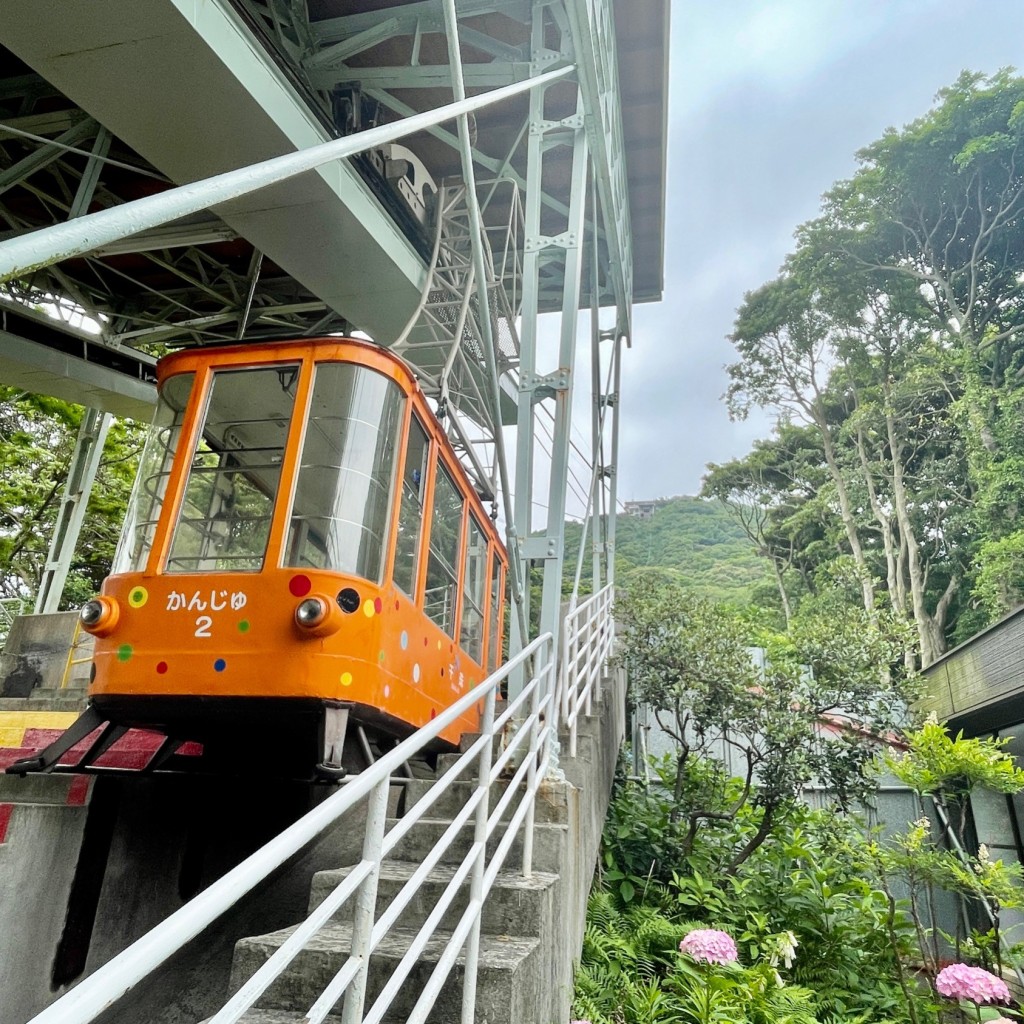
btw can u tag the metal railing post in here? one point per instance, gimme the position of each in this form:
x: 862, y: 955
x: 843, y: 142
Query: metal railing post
x: 544, y: 687
x: 566, y: 672
x: 366, y: 900
x: 476, y: 885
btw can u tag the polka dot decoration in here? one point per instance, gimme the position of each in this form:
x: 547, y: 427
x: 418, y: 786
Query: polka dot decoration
x: 161, y: 667
x: 219, y: 665
x: 300, y: 586
x: 403, y: 640
x: 416, y: 673
x: 368, y: 609
x: 378, y: 605
x: 138, y: 596
x: 346, y: 678
x: 243, y: 626
x: 124, y: 652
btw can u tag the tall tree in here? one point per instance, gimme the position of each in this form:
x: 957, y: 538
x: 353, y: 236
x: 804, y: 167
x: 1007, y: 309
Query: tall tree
x: 785, y: 341
x: 776, y: 495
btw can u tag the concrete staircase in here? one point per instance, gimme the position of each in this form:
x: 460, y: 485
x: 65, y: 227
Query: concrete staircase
x: 531, y: 929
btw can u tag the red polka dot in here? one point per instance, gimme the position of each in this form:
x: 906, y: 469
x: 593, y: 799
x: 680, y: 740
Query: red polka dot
x: 433, y: 713
x: 161, y: 667
x: 300, y: 586
x: 378, y: 605
x: 397, y: 605
x: 425, y: 641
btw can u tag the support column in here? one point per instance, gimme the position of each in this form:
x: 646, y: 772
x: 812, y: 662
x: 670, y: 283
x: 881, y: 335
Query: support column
x: 82, y: 472
x: 525, y: 419
x: 613, y: 480
x: 572, y: 241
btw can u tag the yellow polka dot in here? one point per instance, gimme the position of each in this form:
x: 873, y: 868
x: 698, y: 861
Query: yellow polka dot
x: 346, y: 678
x: 439, y: 645
x: 138, y: 596
x: 368, y: 608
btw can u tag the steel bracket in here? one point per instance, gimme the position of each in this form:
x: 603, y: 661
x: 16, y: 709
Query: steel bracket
x: 538, y: 548
x: 566, y: 240
x: 542, y: 387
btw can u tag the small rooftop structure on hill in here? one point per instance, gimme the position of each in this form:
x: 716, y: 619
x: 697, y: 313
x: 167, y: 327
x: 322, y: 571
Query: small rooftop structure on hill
x: 645, y: 509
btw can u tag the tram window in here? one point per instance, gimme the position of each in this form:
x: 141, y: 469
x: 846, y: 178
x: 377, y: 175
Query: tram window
x: 410, y: 513
x: 224, y: 521
x: 440, y: 596
x: 154, y: 470
x: 339, y: 518
x: 494, y: 632
x: 474, y: 589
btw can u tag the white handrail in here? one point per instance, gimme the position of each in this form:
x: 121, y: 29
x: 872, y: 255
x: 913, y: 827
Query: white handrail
x: 25, y: 253
x: 588, y: 636
x: 101, y: 989
x: 528, y: 728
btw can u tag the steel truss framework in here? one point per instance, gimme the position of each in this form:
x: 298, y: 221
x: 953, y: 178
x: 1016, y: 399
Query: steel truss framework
x: 531, y: 216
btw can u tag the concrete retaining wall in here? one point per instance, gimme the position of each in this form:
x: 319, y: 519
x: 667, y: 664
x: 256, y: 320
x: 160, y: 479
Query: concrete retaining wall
x: 37, y: 651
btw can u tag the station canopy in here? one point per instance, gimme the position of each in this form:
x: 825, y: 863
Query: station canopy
x: 104, y: 103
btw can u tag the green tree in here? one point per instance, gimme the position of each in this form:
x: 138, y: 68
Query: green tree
x: 37, y: 438
x: 689, y: 661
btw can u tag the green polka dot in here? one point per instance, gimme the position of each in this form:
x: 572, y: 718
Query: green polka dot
x: 380, y: 657
x: 124, y: 652
x: 243, y: 626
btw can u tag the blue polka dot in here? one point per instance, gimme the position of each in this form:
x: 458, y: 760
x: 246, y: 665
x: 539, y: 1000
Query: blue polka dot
x: 219, y: 665
x: 404, y: 640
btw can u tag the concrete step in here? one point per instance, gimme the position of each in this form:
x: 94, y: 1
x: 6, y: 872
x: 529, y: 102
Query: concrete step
x: 509, y: 974
x: 514, y: 906
x: 59, y: 701
x: 586, y: 745
x: 548, y: 844
x: 549, y: 806
x: 260, y: 1016
x: 60, y: 789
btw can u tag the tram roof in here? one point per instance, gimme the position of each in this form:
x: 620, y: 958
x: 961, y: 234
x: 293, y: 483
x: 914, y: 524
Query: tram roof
x: 183, y: 272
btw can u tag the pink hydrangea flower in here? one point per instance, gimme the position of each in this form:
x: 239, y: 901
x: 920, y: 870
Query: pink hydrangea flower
x: 959, y: 981
x: 709, y: 944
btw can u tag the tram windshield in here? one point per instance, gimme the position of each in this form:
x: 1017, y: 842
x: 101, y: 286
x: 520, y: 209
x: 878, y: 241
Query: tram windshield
x: 341, y: 510
x: 224, y: 521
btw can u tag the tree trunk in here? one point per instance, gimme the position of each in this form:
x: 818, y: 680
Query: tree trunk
x: 929, y: 632
x: 755, y: 841
x: 846, y: 513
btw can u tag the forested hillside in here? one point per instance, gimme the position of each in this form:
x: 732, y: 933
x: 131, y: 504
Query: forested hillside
x: 695, y: 537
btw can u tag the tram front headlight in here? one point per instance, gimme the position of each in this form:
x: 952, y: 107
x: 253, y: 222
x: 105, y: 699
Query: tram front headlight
x: 317, y: 615
x: 99, y: 615
x: 311, y: 612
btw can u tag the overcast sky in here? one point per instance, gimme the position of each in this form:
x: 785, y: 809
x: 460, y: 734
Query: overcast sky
x: 769, y: 102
